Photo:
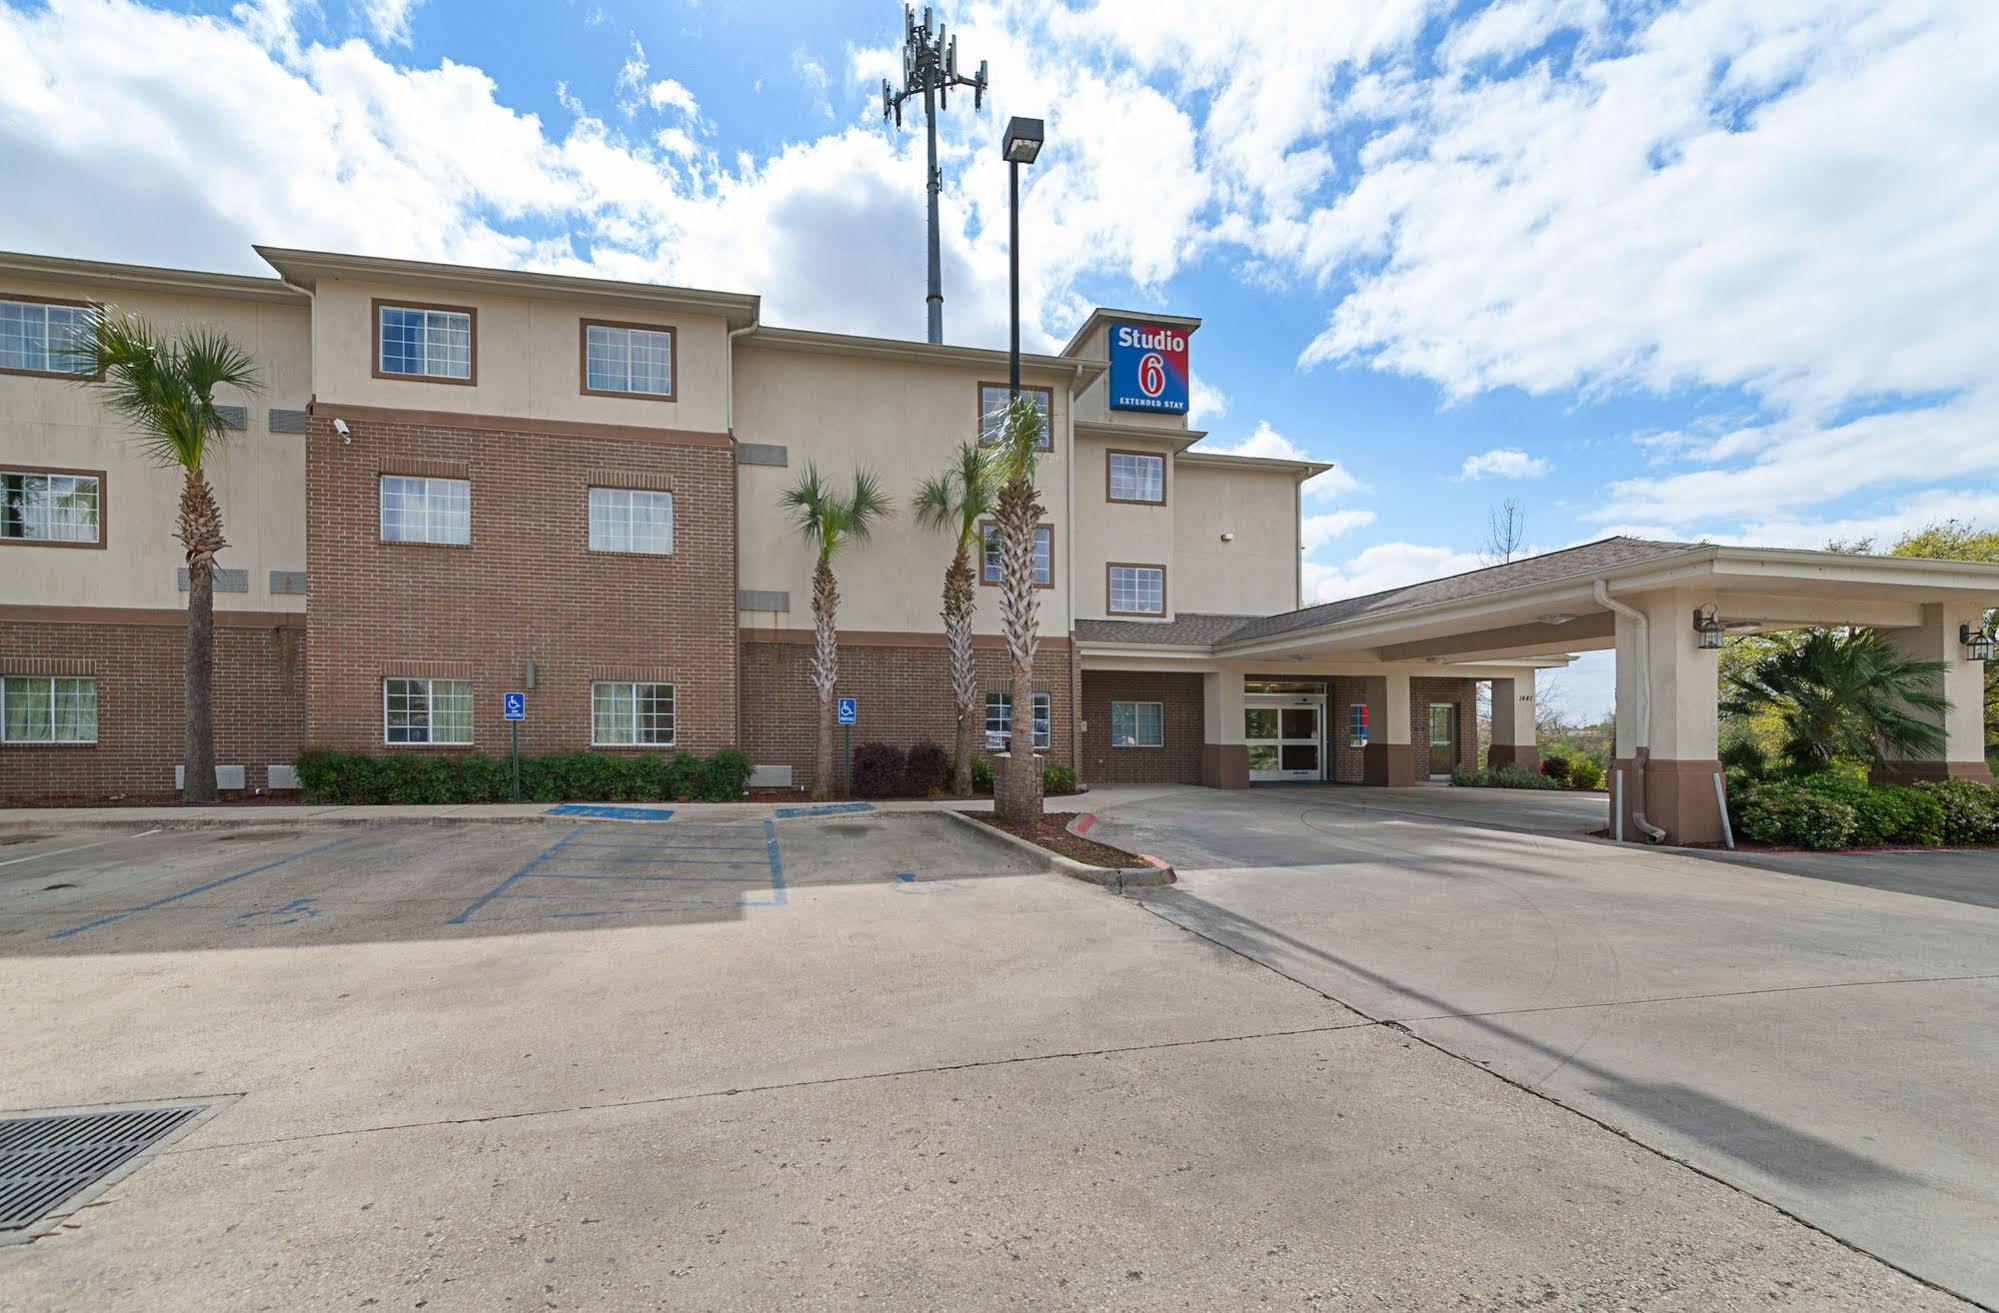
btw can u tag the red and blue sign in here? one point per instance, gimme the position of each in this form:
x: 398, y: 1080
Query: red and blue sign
x: 1148, y: 368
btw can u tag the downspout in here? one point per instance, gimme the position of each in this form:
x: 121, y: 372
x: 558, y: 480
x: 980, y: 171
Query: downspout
x: 1642, y: 731
x: 736, y: 510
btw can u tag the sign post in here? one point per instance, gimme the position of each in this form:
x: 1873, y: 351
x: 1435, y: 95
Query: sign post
x: 514, y: 706
x: 850, y: 714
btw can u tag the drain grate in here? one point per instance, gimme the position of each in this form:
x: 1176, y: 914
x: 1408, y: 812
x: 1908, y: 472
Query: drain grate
x: 49, y: 1161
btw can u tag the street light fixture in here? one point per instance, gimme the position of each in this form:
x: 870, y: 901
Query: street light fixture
x: 1978, y: 644
x: 1020, y: 145
x: 1708, y: 625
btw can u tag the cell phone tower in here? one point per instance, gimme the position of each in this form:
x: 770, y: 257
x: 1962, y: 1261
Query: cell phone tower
x: 930, y: 70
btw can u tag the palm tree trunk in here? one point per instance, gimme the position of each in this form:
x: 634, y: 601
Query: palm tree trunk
x: 825, y: 669
x: 201, y: 534
x: 1017, y: 784
x: 959, y: 595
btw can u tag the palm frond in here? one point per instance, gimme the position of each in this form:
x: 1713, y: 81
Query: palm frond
x: 867, y: 505
x: 165, y: 387
x: 1018, y: 449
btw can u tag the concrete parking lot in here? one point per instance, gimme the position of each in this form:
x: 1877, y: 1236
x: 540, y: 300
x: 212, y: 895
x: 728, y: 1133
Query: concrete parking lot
x: 858, y: 1059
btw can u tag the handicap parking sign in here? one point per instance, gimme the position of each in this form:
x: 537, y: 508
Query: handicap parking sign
x: 515, y: 706
x: 850, y: 711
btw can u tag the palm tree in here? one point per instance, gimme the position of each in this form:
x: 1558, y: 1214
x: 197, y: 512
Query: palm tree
x: 957, y: 500
x: 1017, y: 784
x: 831, y: 520
x: 1843, y: 693
x: 164, y: 386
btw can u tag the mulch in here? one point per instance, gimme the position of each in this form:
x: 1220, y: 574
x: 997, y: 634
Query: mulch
x: 1051, y: 832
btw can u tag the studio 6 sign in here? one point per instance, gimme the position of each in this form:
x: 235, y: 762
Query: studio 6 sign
x: 1148, y: 369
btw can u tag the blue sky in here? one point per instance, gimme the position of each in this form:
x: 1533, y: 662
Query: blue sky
x: 1713, y: 269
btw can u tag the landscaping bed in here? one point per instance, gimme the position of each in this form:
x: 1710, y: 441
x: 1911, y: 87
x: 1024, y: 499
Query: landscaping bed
x: 1051, y: 831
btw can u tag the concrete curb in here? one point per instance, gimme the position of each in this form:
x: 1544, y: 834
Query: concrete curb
x: 1116, y: 879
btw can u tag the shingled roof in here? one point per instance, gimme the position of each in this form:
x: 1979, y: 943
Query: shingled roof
x: 1193, y: 630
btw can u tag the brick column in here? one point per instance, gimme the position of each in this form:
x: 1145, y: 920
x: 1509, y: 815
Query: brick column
x: 1224, y: 756
x: 1935, y: 639
x: 1390, y: 758
x: 1513, y: 723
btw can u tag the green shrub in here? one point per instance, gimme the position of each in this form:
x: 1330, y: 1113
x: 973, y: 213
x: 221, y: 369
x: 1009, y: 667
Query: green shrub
x: 1745, y: 755
x: 1882, y: 814
x: 1469, y: 777
x: 1556, y: 768
x: 1515, y: 776
x: 1970, y: 812
x: 682, y: 777
x: 726, y: 775
x: 1586, y: 773
x: 982, y: 774
x: 1058, y: 779
x: 1790, y: 814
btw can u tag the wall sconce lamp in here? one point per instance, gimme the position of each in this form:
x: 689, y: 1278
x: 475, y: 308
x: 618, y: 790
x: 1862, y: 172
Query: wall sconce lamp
x: 1708, y: 625
x: 1978, y: 643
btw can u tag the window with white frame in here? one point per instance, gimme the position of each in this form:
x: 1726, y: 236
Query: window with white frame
x: 631, y: 520
x: 628, y: 360
x: 424, y: 342
x: 1138, y: 724
x: 44, y: 337
x: 422, y: 510
x: 993, y: 401
x: 1135, y: 476
x: 50, y: 508
x: 1044, y: 556
x: 999, y: 719
x: 427, y: 711
x: 48, y: 709
x: 1137, y: 590
x: 626, y: 715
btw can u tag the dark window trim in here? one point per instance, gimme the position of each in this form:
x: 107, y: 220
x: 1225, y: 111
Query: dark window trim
x: 994, y: 583
x: 1137, y: 702
x: 979, y: 400
x: 1165, y: 604
x: 103, y: 502
x: 375, y: 308
x: 35, y: 298
x: 1134, y: 501
x: 672, y: 392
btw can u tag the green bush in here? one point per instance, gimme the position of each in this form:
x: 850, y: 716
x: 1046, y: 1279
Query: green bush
x: 1970, y: 812
x: 1585, y: 773
x: 1883, y: 814
x: 436, y: 778
x: 1510, y: 776
x: 982, y: 774
x: 1556, y: 768
x: 726, y: 775
x: 1792, y: 815
x: 1058, y: 779
x: 682, y: 777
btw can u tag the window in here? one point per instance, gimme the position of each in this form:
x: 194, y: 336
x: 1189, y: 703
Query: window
x: 427, y: 711
x: 433, y: 342
x: 627, y: 360
x: 1138, y: 724
x: 51, y: 507
x: 1135, y: 476
x: 1138, y: 590
x: 631, y: 715
x: 1044, y: 555
x: 48, y: 709
x: 993, y: 399
x: 1357, y: 723
x: 41, y: 337
x: 626, y: 520
x: 999, y: 719
x: 418, y: 510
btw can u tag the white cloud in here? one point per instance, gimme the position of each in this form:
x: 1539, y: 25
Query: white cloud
x: 1205, y: 401
x: 1381, y: 567
x: 1272, y: 445
x: 389, y: 20
x: 1315, y: 531
x: 668, y: 94
x: 1504, y: 463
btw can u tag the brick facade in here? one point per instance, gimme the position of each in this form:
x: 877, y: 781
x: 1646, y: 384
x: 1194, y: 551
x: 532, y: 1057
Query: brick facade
x: 1463, y: 694
x: 904, y: 686
x: 259, y: 702
x: 1178, y: 761
x: 527, y: 588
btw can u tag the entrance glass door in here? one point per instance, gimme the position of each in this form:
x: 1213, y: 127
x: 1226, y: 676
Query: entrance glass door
x: 1285, y: 738
x: 1443, y: 737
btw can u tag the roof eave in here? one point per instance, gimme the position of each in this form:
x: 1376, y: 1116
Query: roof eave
x: 845, y: 344
x: 144, y: 278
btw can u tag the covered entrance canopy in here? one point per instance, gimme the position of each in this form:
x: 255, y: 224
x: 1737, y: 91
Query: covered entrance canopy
x: 1635, y: 596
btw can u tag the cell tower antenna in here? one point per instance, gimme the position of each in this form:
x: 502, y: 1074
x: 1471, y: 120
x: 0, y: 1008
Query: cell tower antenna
x: 930, y: 70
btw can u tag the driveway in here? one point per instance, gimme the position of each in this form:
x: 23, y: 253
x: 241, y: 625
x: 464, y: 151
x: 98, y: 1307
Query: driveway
x: 1814, y: 1030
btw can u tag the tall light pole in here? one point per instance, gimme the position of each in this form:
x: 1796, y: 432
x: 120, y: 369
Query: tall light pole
x: 1020, y: 145
x: 930, y: 70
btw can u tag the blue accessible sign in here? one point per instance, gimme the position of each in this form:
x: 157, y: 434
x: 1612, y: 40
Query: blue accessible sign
x: 515, y: 706
x: 850, y: 711
x: 1148, y: 368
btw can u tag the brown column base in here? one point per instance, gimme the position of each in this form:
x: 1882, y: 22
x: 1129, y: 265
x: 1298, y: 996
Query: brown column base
x: 1389, y: 765
x: 1225, y: 765
x: 1914, y: 772
x: 1509, y: 754
x: 1679, y: 799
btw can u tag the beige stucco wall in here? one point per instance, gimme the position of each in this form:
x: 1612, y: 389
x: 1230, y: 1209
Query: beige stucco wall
x: 903, y: 420
x: 528, y: 358
x: 258, y: 476
x: 1109, y: 531
x: 1257, y: 572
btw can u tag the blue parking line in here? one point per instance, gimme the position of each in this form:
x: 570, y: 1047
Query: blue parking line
x: 497, y: 889
x: 601, y: 812
x: 654, y: 851
x: 202, y: 889
x: 823, y: 809
x: 777, y: 891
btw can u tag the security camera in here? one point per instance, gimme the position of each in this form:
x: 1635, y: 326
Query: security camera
x: 340, y: 427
